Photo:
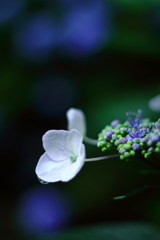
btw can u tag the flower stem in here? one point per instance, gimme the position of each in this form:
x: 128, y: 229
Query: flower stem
x: 90, y: 141
x: 153, y: 165
x: 101, y: 158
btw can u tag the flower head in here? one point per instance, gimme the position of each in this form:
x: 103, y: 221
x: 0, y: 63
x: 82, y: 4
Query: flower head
x: 76, y: 120
x: 135, y: 129
x: 137, y: 136
x: 63, y: 158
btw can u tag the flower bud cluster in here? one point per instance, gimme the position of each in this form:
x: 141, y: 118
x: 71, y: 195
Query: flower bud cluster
x: 131, y: 138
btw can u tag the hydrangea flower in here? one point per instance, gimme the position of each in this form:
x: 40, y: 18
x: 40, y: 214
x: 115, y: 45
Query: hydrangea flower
x: 64, y: 156
x: 135, y: 137
x: 76, y: 120
x: 64, y: 151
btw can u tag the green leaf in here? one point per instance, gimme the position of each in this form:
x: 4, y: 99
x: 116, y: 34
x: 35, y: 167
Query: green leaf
x: 137, y: 190
x: 122, y: 231
x: 146, y: 172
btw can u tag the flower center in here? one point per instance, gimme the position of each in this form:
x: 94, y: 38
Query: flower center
x: 73, y: 158
x: 134, y: 119
x: 135, y: 129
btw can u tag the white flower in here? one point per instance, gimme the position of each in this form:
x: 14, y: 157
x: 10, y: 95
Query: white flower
x: 76, y: 120
x: 64, y: 156
x: 154, y: 103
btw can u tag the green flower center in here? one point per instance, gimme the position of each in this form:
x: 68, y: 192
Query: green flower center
x: 73, y: 158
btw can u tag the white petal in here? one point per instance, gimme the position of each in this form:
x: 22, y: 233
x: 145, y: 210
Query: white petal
x: 49, y: 170
x: 71, y: 170
x: 154, y: 103
x: 74, y: 142
x: 54, y: 143
x: 76, y: 120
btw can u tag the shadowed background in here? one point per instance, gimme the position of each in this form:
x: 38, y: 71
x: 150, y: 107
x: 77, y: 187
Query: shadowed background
x: 100, y: 56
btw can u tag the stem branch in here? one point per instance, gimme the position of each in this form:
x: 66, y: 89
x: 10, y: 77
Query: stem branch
x: 155, y: 166
x: 101, y: 158
x: 90, y: 141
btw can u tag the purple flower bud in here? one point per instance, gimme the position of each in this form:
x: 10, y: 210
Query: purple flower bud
x: 135, y: 146
x: 155, y: 138
x: 115, y: 122
x: 145, y: 139
x: 123, y: 140
x: 109, y: 133
x: 122, y: 150
x: 129, y: 138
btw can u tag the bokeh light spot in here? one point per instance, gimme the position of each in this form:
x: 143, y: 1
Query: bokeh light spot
x: 42, y: 210
x: 85, y: 28
x: 36, y: 38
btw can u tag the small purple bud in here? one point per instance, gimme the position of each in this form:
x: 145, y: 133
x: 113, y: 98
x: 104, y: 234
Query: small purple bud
x: 145, y: 139
x: 155, y: 138
x: 135, y: 146
x: 143, y: 129
x: 129, y: 138
x: 122, y: 150
x: 109, y: 133
x: 123, y: 140
x: 115, y: 122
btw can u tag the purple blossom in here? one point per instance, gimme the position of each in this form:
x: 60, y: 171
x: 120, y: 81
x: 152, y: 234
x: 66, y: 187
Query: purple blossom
x: 115, y: 122
x: 134, y: 119
x: 135, y: 146
x: 135, y: 129
x: 155, y: 138
x: 123, y: 140
x: 109, y: 133
x: 85, y: 28
x: 137, y: 133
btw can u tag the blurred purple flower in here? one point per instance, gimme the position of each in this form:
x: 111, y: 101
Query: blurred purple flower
x: 84, y: 28
x: 42, y: 210
x: 36, y: 37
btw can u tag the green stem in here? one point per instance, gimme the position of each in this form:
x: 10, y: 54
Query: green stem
x: 155, y: 166
x: 90, y: 141
x: 101, y: 158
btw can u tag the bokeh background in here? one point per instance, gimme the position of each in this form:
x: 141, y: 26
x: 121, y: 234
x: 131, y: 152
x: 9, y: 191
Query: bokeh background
x: 96, y: 55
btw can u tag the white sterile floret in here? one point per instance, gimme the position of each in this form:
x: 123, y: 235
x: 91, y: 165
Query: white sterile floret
x: 154, y: 103
x: 64, y: 156
x: 76, y: 120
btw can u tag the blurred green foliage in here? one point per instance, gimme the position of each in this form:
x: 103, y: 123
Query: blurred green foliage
x: 123, y: 231
x: 122, y: 76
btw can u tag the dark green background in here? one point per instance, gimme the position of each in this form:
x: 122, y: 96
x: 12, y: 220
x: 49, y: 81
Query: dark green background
x: 123, y: 76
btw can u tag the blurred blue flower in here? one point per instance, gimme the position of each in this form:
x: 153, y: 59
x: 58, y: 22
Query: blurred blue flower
x: 9, y: 9
x: 85, y: 28
x: 36, y: 37
x: 42, y: 210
